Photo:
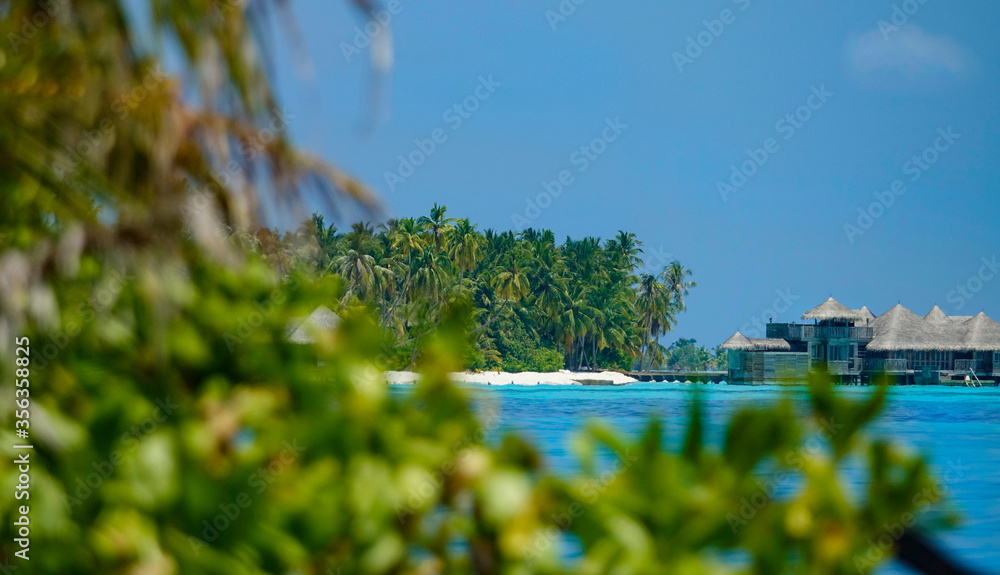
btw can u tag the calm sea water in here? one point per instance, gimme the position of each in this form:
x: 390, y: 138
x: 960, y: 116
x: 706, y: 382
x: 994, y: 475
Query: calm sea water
x: 958, y: 429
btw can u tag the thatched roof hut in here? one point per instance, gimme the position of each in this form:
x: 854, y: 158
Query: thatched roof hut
x: 866, y: 314
x: 743, y: 343
x: 301, y: 330
x: 738, y: 342
x: 900, y: 329
x: 832, y: 309
x: 935, y: 341
x: 982, y: 333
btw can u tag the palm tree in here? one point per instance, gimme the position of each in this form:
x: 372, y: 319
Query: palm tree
x: 324, y: 238
x: 276, y: 251
x: 430, y: 277
x: 357, y: 265
x: 656, y: 312
x: 510, y: 284
x: 243, y: 239
x: 626, y: 247
x: 577, y: 320
x: 548, y: 294
x: 616, y: 304
x: 465, y: 248
x: 403, y: 236
x: 674, y: 277
x: 586, y: 259
x: 580, y: 297
x: 437, y: 224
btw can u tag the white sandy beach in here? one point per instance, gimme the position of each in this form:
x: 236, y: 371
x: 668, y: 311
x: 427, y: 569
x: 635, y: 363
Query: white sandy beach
x: 526, y: 378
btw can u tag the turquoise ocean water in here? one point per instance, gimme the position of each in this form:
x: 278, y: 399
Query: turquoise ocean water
x: 958, y: 429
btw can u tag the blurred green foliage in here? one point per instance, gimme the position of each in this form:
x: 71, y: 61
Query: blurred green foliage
x: 159, y: 449
x: 176, y: 430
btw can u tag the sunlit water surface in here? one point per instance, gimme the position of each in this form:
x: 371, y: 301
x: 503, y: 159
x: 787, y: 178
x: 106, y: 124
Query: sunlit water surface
x: 958, y: 429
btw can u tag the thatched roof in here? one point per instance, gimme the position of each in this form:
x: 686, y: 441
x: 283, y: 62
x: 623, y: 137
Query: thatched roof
x: 770, y: 344
x: 982, y: 333
x: 301, y: 330
x: 866, y: 314
x: 738, y: 342
x: 744, y: 343
x: 833, y: 309
x: 900, y: 329
x: 937, y: 317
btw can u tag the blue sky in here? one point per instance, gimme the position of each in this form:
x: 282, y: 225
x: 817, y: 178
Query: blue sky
x: 864, y: 100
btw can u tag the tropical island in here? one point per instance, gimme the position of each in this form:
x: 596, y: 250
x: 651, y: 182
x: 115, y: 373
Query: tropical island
x: 175, y: 412
x: 537, y: 305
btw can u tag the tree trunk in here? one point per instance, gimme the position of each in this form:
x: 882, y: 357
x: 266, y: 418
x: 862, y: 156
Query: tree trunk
x: 402, y: 292
x: 569, y: 344
x: 487, y: 324
x: 413, y: 356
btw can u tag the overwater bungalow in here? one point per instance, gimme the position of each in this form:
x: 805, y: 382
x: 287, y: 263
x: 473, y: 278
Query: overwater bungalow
x: 854, y: 345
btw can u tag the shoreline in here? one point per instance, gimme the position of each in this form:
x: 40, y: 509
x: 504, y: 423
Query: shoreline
x: 585, y: 379
x: 562, y: 377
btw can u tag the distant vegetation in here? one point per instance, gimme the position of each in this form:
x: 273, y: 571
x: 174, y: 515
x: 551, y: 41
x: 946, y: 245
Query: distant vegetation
x: 538, y: 305
x: 687, y: 355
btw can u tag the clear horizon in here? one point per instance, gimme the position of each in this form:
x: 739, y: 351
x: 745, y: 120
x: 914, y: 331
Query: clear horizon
x: 784, y: 154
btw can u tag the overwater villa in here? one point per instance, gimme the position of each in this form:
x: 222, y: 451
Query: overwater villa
x: 855, y: 345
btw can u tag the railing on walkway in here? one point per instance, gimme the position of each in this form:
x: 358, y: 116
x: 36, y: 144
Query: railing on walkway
x: 885, y: 365
x: 839, y: 367
x: 800, y: 332
x: 972, y: 365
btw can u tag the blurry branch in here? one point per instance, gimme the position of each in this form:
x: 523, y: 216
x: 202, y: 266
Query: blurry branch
x: 98, y: 134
